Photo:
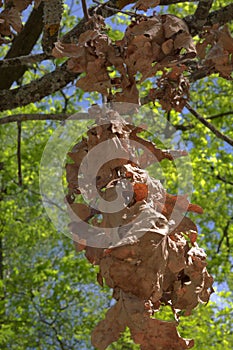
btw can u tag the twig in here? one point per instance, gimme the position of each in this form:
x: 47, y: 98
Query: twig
x: 225, y: 235
x: 115, y: 9
x: 20, y: 179
x: 25, y: 117
x: 209, y: 125
x: 85, y: 10
x: 24, y: 60
x: 220, y: 115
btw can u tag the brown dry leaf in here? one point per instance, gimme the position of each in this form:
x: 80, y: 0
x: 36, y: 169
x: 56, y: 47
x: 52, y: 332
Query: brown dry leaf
x: 100, y: 82
x: 184, y: 40
x: 135, y: 313
x: 172, y: 91
x: 133, y: 268
x: 10, y: 17
x: 14, y: 19
x: 78, y: 152
x: 157, y: 334
x: 188, y: 294
x: 61, y: 49
x: 21, y: 5
x: 110, y: 329
x: 226, y: 39
x: 184, y: 226
x: 130, y: 95
x: 72, y: 174
x: 182, y: 203
x: 79, y: 212
x: 217, y: 49
x: 144, y: 5
x: 173, y: 25
x: 150, y: 27
x: 168, y: 46
x: 140, y: 191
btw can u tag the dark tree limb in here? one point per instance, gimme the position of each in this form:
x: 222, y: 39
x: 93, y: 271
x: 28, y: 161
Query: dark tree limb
x: 202, y: 12
x: 85, y: 10
x: 222, y: 178
x: 53, y: 10
x: 37, y: 89
x: 21, y: 46
x: 225, y: 236
x: 38, y: 116
x: 224, y: 114
x: 209, y: 125
x: 24, y: 60
x: 221, y: 16
x: 20, y: 178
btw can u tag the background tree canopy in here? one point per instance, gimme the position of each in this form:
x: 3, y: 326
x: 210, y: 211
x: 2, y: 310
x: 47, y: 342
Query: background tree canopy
x: 49, y: 297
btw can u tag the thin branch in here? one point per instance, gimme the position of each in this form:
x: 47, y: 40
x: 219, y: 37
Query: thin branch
x: 209, y: 125
x: 26, y: 117
x: 225, y: 235
x: 223, y: 179
x: 220, y: 115
x: 85, y: 10
x: 218, y: 177
x: 20, y: 179
x: 24, y: 60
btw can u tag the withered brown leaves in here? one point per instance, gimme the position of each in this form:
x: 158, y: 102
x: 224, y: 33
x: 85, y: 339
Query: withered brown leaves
x: 156, y: 46
x: 151, y: 258
x: 150, y: 44
x: 216, y: 50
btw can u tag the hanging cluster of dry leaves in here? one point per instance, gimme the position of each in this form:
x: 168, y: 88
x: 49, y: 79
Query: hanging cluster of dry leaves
x: 160, y: 43
x: 216, y: 50
x: 150, y: 44
x: 10, y: 18
x: 152, y: 262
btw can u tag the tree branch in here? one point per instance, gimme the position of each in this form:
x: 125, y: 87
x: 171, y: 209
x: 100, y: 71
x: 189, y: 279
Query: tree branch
x: 221, y: 16
x: 85, y: 10
x: 20, y: 179
x: 225, y: 235
x: 53, y: 10
x: 198, y: 20
x: 202, y: 12
x: 37, y: 89
x: 38, y: 116
x: 209, y: 125
x: 24, y: 60
x: 220, y: 177
x: 220, y: 115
